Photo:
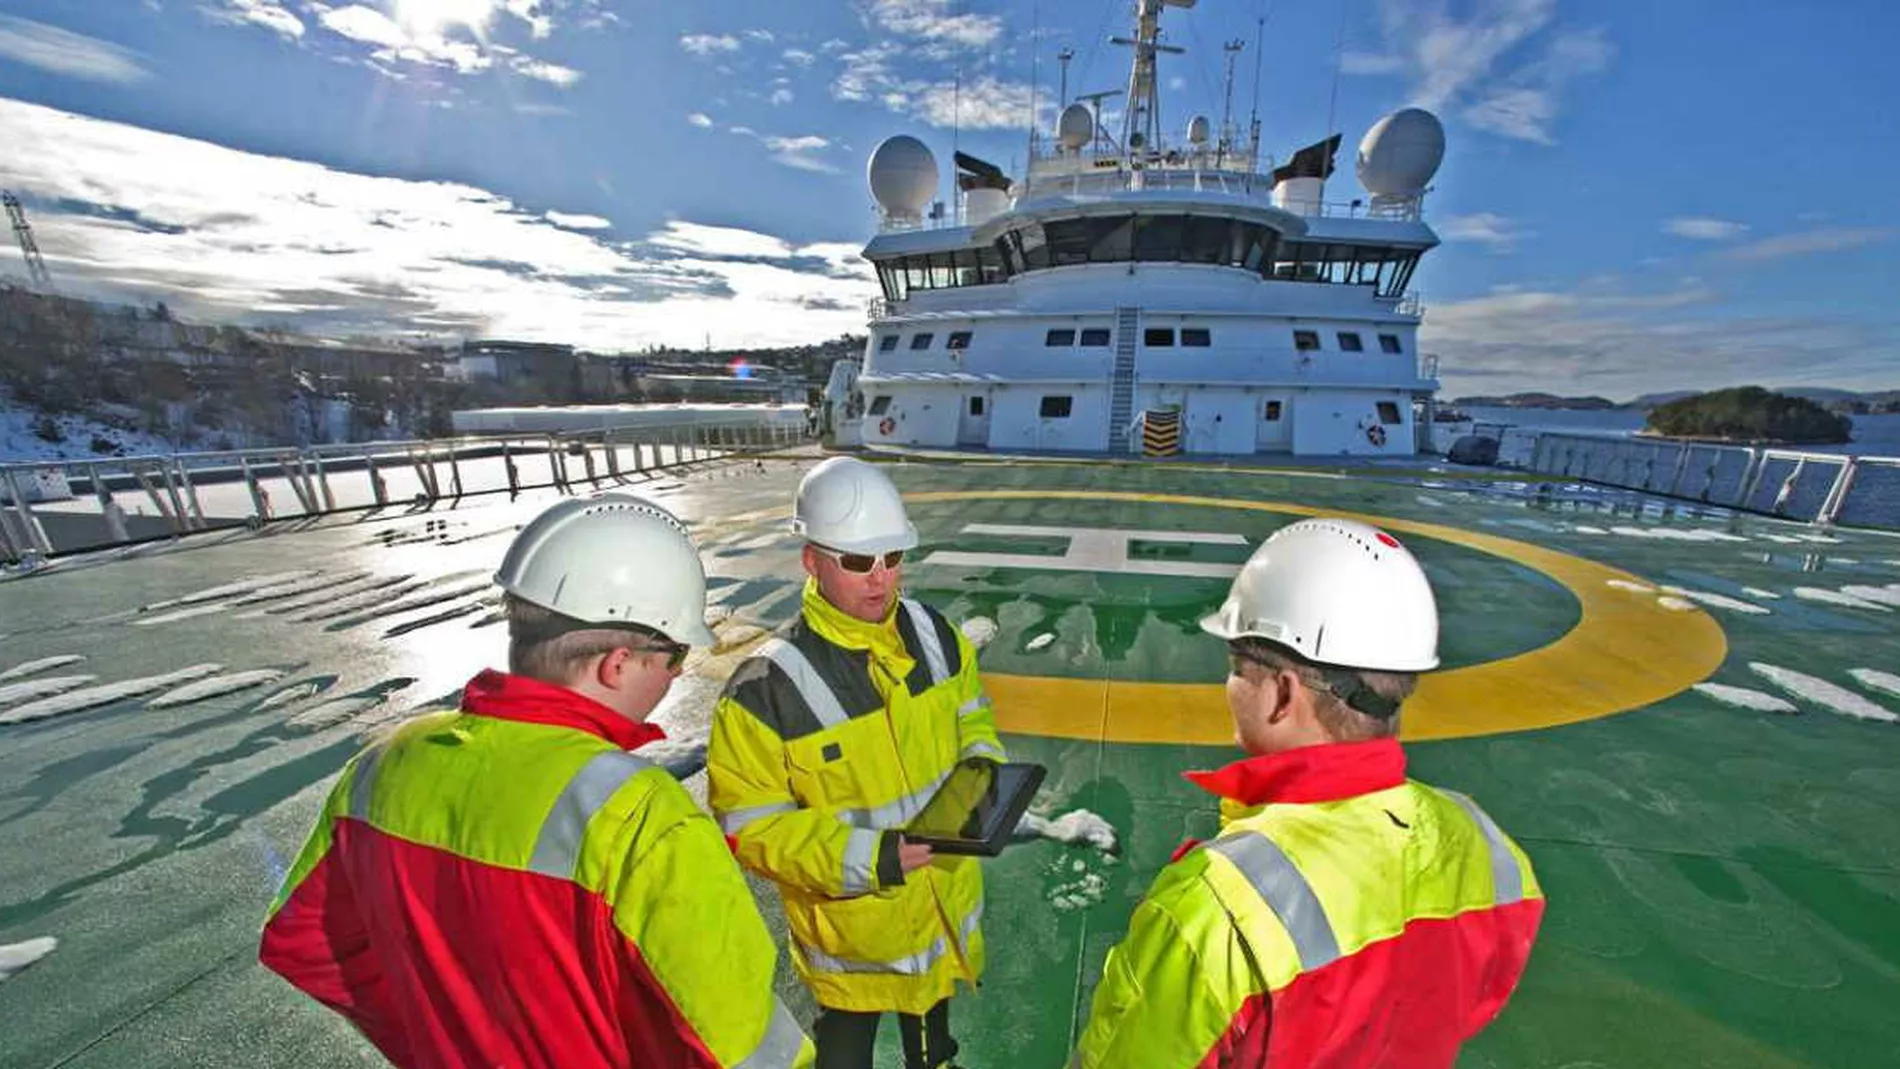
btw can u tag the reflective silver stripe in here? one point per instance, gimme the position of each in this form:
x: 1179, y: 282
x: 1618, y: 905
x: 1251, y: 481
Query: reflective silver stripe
x: 980, y: 748
x: 976, y: 704
x: 926, y: 629
x: 1506, y: 877
x: 811, y: 686
x: 909, y: 965
x: 860, y: 861
x: 894, y: 814
x: 781, y: 1043
x: 733, y: 822
x: 1285, y: 891
x: 363, y: 783
x: 557, y: 850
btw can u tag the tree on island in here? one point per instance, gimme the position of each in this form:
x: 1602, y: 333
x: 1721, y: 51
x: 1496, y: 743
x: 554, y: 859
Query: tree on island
x: 1750, y: 413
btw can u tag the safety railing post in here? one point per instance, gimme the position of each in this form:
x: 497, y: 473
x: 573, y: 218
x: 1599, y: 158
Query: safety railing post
x: 323, y: 482
x: 508, y: 465
x: 190, y: 490
x: 455, y: 471
x: 379, y: 491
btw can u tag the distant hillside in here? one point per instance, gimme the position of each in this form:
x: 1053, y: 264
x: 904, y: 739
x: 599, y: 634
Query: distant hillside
x: 1750, y: 414
x: 1848, y: 402
x: 1537, y: 400
x: 1655, y: 400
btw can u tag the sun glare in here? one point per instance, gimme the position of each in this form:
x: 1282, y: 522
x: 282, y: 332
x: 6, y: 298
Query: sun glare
x: 435, y: 17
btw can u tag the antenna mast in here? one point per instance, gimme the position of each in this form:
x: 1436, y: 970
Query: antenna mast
x: 1232, y: 48
x: 1063, y: 57
x: 1253, y: 122
x: 29, y: 248
x: 1141, y: 126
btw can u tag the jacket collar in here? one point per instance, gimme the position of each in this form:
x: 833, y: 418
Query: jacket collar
x: 530, y: 701
x: 1309, y: 774
x: 842, y: 629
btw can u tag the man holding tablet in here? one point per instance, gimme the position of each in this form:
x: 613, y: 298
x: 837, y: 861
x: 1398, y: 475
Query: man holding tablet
x: 831, y: 739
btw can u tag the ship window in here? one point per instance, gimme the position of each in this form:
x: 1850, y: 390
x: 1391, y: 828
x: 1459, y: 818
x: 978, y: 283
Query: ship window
x: 1069, y: 241
x: 1113, y: 240
x: 1389, y: 343
x: 1350, y: 343
x: 1204, y: 239
x: 1158, y: 337
x: 989, y: 264
x: 921, y: 341
x: 891, y: 277
x: 1196, y: 337
x: 1158, y: 237
x: 1095, y: 337
x: 1035, y: 246
x: 976, y: 406
x: 1306, y: 340
x: 1388, y: 412
x: 880, y: 404
x: 1273, y: 412
x: 887, y: 344
x: 1057, y: 407
x: 1009, y: 255
x: 959, y: 339
x: 1059, y: 338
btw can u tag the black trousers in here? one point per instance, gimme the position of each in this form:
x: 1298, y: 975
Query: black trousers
x: 846, y: 1040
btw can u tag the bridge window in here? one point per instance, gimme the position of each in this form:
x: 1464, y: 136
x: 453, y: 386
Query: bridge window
x: 1389, y: 343
x: 1196, y: 337
x: 1095, y: 337
x: 959, y: 339
x: 1056, y: 407
x: 1388, y: 412
x: 1306, y: 340
x: 1350, y: 343
x: 976, y: 406
x: 1056, y: 339
x: 921, y: 341
x: 1158, y: 337
x: 887, y: 344
x: 1273, y: 412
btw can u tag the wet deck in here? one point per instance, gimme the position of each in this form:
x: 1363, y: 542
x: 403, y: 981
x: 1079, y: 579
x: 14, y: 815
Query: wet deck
x: 1722, y: 879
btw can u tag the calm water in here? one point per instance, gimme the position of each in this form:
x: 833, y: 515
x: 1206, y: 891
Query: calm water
x: 1873, y: 435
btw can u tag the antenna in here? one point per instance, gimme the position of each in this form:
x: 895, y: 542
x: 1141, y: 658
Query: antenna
x: 1094, y: 101
x: 1253, y: 123
x: 1035, y: 73
x: 1339, y: 57
x: 956, y: 132
x: 29, y: 248
x: 1232, y: 48
x: 1141, y: 126
x: 1063, y: 57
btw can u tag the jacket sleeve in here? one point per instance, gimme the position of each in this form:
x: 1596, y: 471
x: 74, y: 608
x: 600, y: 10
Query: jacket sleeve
x: 1160, y: 1002
x: 774, y: 836
x: 976, y: 720
x: 316, y: 938
x: 689, y: 917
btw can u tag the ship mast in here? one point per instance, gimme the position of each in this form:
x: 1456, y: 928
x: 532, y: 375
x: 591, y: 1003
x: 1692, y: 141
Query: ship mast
x: 1141, y: 126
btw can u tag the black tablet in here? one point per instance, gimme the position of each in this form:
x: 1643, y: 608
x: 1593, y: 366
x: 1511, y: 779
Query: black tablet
x: 977, y: 808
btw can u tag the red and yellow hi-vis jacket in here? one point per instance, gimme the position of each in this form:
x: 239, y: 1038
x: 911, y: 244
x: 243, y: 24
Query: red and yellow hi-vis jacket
x: 1345, y: 917
x: 506, y: 885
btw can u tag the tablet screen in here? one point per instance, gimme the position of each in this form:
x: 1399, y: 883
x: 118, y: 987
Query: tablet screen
x: 971, y: 801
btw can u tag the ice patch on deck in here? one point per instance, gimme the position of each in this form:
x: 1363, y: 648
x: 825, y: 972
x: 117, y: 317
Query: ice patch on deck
x: 1675, y: 604
x: 40, y: 688
x: 1743, y: 698
x: 1885, y: 595
x: 1078, y: 826
x: 228, y: 590
x: 92, y: 697
x: 1835, y: 597
x: 16, y: 957
x: 1079, y: 893
x: 1874, y: 679
x: 980, y: 630
x: 1584, y: 528
x: 182, y: 614
x: 1718, y: 601
x: 216, y: 686
x: 1675, y: 534
x: 1821, y: 692
x: 1040, y: 641
x: 44, y: 664
x: 1758, y: 592
x: 296, y: 692
x: 1625, y: 584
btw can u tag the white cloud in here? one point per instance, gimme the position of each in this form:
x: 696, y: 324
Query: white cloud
x: 980, y: 103
x: 799, y: 152
x: 453, y: 34
x: 124, y: 213
x: 781, y: 96
x: 577, y: 222
x: 393, y: 42
x: 1371, y: 63
x: 706, y: 44
x: 63, y: 52
x: 552, y: 73
x: 763, y: 37
x: 1833, y: 239
x: 1485, y: 228
x: 269, y: 14
x: 931, y: 20
x: 700, y: 119
x: 799, y: 57
x: 1702, y: 228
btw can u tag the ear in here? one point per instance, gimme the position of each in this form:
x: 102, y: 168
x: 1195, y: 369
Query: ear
x: 1287, y: 687
x: 809, y: 557
x: 612, y: 668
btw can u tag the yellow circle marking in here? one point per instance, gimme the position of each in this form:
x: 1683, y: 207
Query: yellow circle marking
x: 1625, y: 652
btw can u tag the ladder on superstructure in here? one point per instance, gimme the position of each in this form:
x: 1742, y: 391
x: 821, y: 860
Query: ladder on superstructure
x: 29, y: 247
x: 1121, y: 394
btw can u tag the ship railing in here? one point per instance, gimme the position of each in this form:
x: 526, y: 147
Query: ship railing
x: 878, y: 309
x: 1825, y: 489
x: 53, y: 507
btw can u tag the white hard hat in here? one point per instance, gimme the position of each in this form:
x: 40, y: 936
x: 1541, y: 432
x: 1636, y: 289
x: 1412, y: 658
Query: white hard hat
x: 1336, y: 592
x: 850, y: 506
x: 612, y: 560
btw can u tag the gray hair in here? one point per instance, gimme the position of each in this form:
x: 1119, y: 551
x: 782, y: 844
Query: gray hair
x: 554, y: 648
x: 1342, y: 722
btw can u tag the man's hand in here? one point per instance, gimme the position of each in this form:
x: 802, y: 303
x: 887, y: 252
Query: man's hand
x: 912, y: 856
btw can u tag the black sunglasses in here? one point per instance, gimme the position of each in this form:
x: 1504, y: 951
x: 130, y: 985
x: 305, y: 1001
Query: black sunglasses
x: 675, y: 651
x: 862, y: 563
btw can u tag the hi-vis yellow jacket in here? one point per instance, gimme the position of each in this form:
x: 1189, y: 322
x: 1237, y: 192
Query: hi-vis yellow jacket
x: 834, y: 733
x: 1345, y: 917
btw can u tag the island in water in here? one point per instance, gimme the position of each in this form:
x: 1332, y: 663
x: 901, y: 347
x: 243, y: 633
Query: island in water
x: 1749, y: 414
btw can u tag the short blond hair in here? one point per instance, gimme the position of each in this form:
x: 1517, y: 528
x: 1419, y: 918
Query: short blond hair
x: 1341, y: 722
x: 555, y: 648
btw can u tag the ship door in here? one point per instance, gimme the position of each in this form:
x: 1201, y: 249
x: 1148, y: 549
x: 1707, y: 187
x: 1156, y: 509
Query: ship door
x: 973, y: 425
x: 1276, y: 424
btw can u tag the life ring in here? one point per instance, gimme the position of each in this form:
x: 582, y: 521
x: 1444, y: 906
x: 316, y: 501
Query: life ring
x: 1376, y: 434
x: 887, y: 426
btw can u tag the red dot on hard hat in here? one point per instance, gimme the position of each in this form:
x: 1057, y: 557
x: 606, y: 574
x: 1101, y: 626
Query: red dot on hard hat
x: 1388, y: 540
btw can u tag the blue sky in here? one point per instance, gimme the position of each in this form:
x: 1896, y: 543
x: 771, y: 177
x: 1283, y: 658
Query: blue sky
x: 1636, y: 196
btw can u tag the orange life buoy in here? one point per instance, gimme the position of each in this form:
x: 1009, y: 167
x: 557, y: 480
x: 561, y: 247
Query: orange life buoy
x: 887, y: 426
x: 1376, y: 434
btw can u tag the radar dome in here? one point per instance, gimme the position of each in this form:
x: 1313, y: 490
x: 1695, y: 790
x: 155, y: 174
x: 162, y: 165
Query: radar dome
x: 1401, y: 153
x: 1197, y: 130
x: 1076, y: 127
x: 903, y: 176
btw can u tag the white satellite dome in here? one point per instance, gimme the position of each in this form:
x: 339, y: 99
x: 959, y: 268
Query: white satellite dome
x: 1076, y: 127
x: 1401, y: 153
x: 1197, y: 130
x: 903, y: 176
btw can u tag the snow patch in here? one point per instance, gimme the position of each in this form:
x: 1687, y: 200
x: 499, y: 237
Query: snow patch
x: 1584, y: 528
x: 1675, y: 604
x: 1625, y: 584
x: 1783, y: 539
x: 296, y: 692
x: 229, y: 590
x: 15, y: 957
x: 1825, y: 539
x: 1874, y: 679
x: 980, y: 630
x: 1743, y: 698
x: 1718, y: 600
x: 1835, y: 597
x: 1079, y: 826
x: 93, y: 697
x: 40, y: 688
x: 1758, y: 592
x: 1676, y: 534
x: 44, y: 664
x: 215, y: 687
x: 333, y: 712
x: 1821, y: 692
x: 183, y: 614
x: 1040, y: 641
x: 1885, y: 595
x: 1078, y: 894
